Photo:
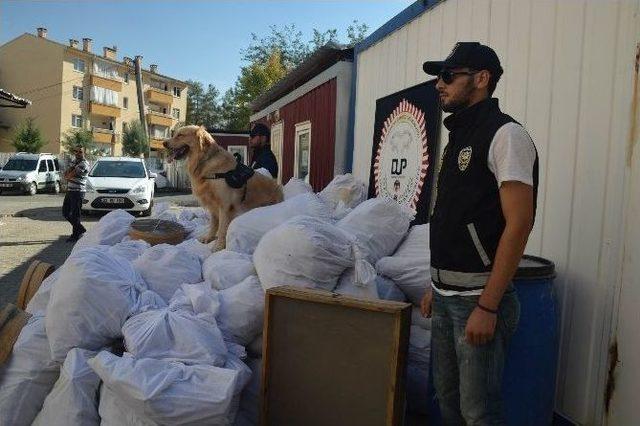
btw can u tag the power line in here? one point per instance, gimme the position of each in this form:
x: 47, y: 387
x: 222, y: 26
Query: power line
x: 51, y: 85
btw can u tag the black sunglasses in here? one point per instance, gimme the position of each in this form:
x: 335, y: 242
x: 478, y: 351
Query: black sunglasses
x: 448, y: 76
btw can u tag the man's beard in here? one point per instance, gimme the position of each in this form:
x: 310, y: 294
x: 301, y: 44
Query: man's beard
x: 461, y: 102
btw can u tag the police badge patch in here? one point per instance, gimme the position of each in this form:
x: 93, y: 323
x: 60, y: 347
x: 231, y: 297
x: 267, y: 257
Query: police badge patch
x: 464, y: 158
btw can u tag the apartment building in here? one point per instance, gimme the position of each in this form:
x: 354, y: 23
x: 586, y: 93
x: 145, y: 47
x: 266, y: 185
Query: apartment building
x: 72, y: 87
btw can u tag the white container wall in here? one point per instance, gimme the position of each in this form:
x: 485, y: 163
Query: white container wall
x: 569, y: 79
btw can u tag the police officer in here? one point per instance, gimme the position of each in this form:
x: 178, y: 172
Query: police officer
x: 260, y: 141
x: 484, y: 211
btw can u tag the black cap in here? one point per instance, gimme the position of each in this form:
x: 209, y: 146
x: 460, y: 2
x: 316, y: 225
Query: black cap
x: 467, y: 54
x: 259, y: 129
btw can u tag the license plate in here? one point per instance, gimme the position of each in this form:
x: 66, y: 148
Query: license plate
x: 6, y: 185
x: 115, y: 200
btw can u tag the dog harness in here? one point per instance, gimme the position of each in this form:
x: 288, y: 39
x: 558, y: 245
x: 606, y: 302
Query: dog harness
x: 236, y: 178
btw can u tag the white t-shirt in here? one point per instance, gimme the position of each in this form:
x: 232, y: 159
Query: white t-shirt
x: 511, y: 158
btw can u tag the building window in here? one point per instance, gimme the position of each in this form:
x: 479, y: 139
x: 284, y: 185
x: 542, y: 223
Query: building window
x: 76, y: 120
x: 78, y: 64
x: 176, y: 113
x: 302, y: 151
x: 125, y: 102
x: 78, y: 93
x: 176, y: 91
x: 125, y: 77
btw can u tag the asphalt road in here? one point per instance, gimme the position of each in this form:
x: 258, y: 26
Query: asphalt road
x: 32, y: 228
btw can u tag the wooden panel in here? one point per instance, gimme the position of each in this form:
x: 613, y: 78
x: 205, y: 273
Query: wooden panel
x: 499, y: 39
x: 102, y: 137
x: 107, y: 110
x: 413, y: 65
x: 107, y: 83
x: 464, y: 20
x: 319, y: 371
x: 226, y: 140
x: 517, y: 66
x: 159, y: 96
x: 481, y: 14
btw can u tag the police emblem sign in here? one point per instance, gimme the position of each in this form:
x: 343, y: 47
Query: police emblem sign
x: 403, y: 148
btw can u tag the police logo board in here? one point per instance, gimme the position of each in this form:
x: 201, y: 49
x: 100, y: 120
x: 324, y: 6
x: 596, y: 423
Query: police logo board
x: 464, y: 158
x: 403, y: 149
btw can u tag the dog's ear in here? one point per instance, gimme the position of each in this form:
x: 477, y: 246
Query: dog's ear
x: 205, y: 139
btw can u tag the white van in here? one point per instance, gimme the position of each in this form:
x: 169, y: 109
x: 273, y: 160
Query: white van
x: 30, y: 173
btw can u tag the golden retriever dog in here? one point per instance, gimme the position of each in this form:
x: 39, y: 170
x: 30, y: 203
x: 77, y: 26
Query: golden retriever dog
x: 205, y: 158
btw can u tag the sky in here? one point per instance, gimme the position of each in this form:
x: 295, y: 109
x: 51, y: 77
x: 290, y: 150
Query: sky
x: 198, y: 40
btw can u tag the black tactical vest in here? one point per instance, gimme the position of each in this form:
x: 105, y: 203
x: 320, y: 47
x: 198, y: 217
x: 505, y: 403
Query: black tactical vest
x: 467, y: 220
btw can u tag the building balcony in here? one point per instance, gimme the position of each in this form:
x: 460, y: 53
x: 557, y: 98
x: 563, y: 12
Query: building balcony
x: 103, y: 135
x: 159, y: 119
x: 106, y: 110
x: 158, y: 96
x: 156, y: 143
x: 106, y: 82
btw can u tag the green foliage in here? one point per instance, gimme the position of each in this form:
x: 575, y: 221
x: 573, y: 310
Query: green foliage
x: 134, y: 139
x: 203, y: 107
x: 80, y: 137
x: 268, y: 59
x: 28, y: 137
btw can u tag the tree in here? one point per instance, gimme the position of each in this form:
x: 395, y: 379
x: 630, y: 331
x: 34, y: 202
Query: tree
x: 356, y: 32
x: 80, y: 137
x: 134, y: 139
x: 203, y: 107
x: 28, y: 137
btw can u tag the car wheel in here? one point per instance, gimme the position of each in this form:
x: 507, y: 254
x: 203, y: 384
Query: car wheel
x: 56, y: 188
x: 147, y: 212
x: 33, y: 189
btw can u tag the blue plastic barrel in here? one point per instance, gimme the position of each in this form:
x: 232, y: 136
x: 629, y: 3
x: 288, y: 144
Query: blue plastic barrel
x: 530, y: 367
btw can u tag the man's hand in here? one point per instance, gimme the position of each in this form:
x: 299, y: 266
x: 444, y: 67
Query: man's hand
x: 70, y: 173
x: 425, y: 304
x: 480, y: 328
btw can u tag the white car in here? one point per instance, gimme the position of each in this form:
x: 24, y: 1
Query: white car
x: 119, y: 183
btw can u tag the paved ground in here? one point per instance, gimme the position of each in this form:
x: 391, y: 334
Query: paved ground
x: 32, y: 228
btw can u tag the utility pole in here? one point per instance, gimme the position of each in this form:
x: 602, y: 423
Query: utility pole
x: 143, y: 121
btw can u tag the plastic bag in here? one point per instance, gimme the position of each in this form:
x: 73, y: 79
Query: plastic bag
x: 345, y: 190
x: 74, y: 398
x: 409, y: 267
x: 129, y: 249
x: 379, y: 224
x: 164, y: 267
x: 388, y: 290
x: 242, y: 310
x: 109, y: 230
x: 226, y: 268
x: 95, y: 294
x: 295, y: 187
x: 28, y: 375
x: 246, y: 230
x: 305, y: 252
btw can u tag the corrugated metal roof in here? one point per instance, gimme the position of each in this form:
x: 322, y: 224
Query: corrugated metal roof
x: 319, y: 61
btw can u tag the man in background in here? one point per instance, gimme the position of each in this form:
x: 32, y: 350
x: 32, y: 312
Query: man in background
x: 263, y: 157
x: 76, y: 176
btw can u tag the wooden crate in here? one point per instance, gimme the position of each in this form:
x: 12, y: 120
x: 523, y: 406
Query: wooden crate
x: 333, y: 360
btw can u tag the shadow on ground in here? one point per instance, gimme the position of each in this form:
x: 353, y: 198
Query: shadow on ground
x: 52, y: 214
x: 55, y: 253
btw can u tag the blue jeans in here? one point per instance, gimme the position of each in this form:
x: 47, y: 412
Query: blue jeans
x: 467, y: 378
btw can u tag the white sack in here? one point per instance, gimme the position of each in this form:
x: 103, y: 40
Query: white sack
x: 409, y: 267
x: 129, y: 249
x: 176, y: 333
x: 195, y: 247
x: 388, y: 290
x: 38, y: 303
x: 418, y: 360
x: 242, y: 310
x: 164, y: 267
x: 255, y: 347
x: 74, y: 398
x: 226, y: 268
x: 246, y: 230
x: 109, y: 230
x: 169, y: 392
x: 304, y: 252
x: 249, y: 413
x: 350, y: 285
x: 344, y: 189
x: 379, y: 224
x: 95, y: 294
x: 418, y: 320
x: 295, y: 187
x: 264, y: 172
x: 27, y: 376
x: 113, y: 412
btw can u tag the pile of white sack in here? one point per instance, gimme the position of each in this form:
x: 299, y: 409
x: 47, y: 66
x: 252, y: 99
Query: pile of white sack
x: 128, y: 334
